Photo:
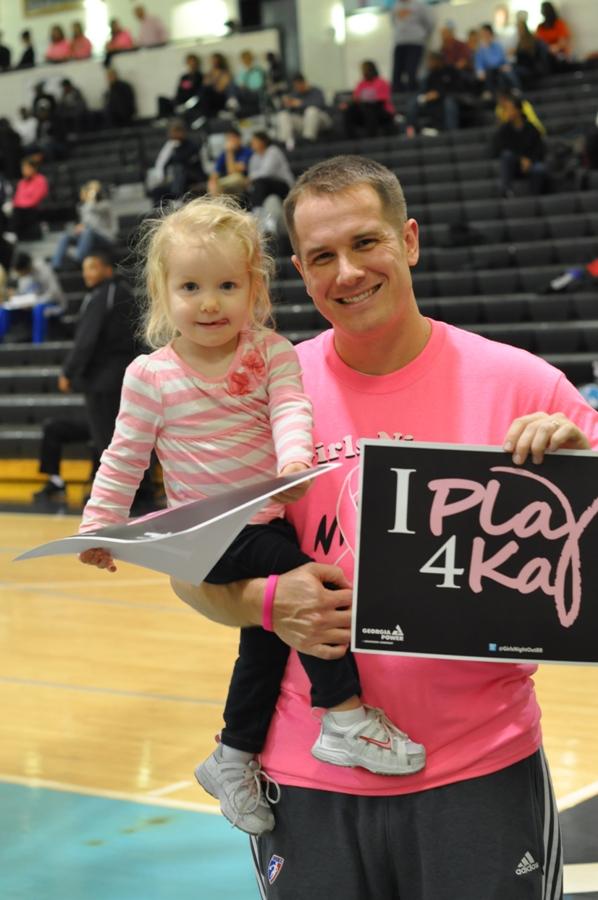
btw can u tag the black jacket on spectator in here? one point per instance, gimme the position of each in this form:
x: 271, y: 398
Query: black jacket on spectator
x: 445, y: 80
x: 27, y: 60
x: 190, y: 85
x: 4, y: 57
x: 104, y: 342
x: 526, y: 141
x: 120, y: 105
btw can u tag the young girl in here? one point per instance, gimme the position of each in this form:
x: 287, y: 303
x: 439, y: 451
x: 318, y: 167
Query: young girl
x: 222, y: 403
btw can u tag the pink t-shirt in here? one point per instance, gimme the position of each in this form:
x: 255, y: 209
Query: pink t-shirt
x: 474, y: 718
x: 59, y: 50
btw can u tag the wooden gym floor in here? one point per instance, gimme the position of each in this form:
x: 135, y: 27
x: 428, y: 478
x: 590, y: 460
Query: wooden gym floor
x: 112, y: 691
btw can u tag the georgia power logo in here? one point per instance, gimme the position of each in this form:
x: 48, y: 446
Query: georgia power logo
x: 377, y: 635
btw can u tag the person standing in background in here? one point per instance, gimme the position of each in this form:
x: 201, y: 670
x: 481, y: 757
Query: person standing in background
x: 27, y: 59
x: 413, y: 25
x: 4, y: 55
x: 152, y: 30
x: 80, y: 44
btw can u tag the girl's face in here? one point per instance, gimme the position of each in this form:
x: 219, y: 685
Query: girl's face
x: 209, y: 298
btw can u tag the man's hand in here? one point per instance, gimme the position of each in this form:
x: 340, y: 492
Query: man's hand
x: 292, y: 494
x: 540, y: 433
x: 64, y: 384
x: 525, y: 164
x: 310, y: 617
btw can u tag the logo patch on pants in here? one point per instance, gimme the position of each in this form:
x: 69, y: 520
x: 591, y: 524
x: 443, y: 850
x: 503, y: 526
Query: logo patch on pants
x: 274, y: 866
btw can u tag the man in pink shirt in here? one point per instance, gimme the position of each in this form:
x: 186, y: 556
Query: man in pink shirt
x: 479, y: 821
x: 152, y: 30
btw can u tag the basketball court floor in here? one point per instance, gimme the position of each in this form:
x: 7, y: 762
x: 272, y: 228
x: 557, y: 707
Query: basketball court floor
x: 111, y: 691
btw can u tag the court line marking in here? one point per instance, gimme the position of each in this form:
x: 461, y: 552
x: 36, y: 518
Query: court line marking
x: 581, y: 878
x: 65, y: 596
x: 115, y: 692
x: 147, y: 799
x: 578, y: 796
x: 170, y: 789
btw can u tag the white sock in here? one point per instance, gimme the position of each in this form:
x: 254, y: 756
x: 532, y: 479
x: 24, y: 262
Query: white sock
x: 56, y: 480
x: 230, y: 754
x: 346, y: 718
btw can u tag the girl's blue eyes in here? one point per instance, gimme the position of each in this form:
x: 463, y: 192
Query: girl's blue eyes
x: 193, y: 286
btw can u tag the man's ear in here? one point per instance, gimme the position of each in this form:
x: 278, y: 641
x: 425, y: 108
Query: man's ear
x: 411, y: 238
x: 297, y: 263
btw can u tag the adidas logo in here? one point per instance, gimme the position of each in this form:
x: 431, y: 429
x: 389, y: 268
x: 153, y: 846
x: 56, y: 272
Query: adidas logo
x: 398, y: 633
x: 527, y: 864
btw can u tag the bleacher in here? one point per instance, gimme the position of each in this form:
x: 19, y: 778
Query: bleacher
x: 494, y: 283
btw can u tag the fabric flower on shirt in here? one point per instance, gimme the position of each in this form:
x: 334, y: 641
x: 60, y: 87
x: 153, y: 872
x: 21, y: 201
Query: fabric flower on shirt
x: 253, y: 362
x: 239, y: 383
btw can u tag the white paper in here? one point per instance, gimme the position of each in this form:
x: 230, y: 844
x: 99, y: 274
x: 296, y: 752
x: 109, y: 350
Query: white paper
x: 185, y: 541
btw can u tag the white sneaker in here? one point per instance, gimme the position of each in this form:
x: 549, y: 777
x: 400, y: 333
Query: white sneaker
x: 239, y: 787
x: 375, y: 744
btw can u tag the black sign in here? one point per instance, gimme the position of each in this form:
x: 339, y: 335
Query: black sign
x: 463, y: 554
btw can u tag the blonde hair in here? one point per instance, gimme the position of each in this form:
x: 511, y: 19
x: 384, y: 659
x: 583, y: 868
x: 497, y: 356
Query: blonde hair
x: 203, y: 220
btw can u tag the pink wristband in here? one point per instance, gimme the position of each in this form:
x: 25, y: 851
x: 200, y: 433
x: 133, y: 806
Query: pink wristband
x: 269, y: 592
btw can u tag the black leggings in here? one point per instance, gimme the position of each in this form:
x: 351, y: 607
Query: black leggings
x: 258, y: 551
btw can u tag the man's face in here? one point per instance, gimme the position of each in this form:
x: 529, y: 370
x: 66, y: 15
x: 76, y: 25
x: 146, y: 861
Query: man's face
x: 299, y: 86
x: 355, y: 265
x: 95, y: 271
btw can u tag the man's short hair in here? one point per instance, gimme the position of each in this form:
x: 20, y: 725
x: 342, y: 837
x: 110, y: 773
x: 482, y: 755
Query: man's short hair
x: 23, y: 262
x: 232, y: 129
x: 298, y: 76
x: 104, y: 256
x: 344, y: 173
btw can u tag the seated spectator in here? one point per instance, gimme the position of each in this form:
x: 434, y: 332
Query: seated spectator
x: 217, y: 88
x: 554, y: 31
x: 26, y: 126
x: 590, y: 147
x: 491, y: 64
x: 42, y: 99
x: 152, y: 30
x: 96, y: 229
x: 438, y: 98
x: 188, y: 91
x: 453, y: 51
x: 231, y: 167
x: 119, y: 42
x: 503, y: 110
x: 81, y: 47
x: 119, y: 101
x: 59, y: 48
x: 250, y: 76
x: 269, y: 171
x: 371, y: 111
x: 249, y: 86
x: 50, y: 136
x: 177, y: 166
x: 27, y: 59
x: 55, y: 434
x: 10, y: 150
x: 520, y: 149
x: 31, y: 190
x: 71, y: 107
x: 531, y: 56
x: 276, y: 77
x: 303, y: 112
x: 36, y: 284
x: 5, y: 55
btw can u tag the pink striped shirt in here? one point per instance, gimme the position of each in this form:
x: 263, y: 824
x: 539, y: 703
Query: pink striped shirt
x: 208, y: 433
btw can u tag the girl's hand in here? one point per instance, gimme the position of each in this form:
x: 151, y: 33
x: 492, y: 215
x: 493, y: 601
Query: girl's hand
x: 98, y: 556
x: 291, y: 495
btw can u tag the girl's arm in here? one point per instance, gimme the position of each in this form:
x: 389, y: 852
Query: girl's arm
x: 128, y: 456
x: 290, y: 408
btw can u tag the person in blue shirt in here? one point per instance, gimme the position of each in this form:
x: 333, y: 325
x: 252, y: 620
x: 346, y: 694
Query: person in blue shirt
x: 491, y: 64
x: 231, y: 167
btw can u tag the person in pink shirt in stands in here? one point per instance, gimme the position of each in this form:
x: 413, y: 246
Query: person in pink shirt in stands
x: 371, y: 110
x: 479, y: 820
x: 31, y: 189
x: 120, y: 40
x: 80, y: 44
x: 152, y: 30
x: 59, y: 48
